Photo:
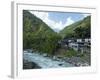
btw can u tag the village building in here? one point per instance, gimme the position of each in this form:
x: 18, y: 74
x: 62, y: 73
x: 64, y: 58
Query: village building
x: 76, y: 44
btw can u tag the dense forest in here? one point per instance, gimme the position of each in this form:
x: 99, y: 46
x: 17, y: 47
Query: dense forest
x: 38, y: 36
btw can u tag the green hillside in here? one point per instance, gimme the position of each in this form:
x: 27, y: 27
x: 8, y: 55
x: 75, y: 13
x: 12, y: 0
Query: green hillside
x: 33, y: 24
x: 79, y: 29
x: 37, y: 35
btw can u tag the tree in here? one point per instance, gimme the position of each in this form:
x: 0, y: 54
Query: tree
x: 82, y: 32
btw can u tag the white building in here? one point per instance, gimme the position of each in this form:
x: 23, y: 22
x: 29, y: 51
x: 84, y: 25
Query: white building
x: 87, y: 40
x: 79, y: 40
x: 74, y: 46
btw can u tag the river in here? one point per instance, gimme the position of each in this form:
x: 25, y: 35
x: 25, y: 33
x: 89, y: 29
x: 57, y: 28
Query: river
x: 45, y: 62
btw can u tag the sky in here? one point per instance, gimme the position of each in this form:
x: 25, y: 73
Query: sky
x: 59, y: 20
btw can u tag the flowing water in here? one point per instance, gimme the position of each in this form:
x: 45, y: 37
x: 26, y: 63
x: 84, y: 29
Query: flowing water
x: 45, y: 62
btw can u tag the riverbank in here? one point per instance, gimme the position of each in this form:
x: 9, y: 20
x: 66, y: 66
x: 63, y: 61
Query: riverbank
x: 77, y: 61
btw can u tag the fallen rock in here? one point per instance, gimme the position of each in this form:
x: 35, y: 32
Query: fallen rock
x: 29, y: 65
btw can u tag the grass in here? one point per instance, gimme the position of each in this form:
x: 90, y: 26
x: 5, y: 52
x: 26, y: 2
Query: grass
x: 70, y: 53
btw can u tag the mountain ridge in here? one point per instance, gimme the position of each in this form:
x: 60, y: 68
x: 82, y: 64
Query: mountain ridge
x: 70, y: 30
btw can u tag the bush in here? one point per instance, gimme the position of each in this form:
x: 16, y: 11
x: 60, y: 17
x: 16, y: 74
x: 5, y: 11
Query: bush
x: 71, y: 52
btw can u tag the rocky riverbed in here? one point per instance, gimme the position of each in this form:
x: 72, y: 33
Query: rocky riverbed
x: 35, y: 60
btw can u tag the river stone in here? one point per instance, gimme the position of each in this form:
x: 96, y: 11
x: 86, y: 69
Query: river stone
x: 60, y: 64
x: 29, y: 65
x: 45, y: 55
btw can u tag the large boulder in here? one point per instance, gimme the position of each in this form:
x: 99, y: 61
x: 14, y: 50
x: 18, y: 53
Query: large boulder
x: 30, y: 65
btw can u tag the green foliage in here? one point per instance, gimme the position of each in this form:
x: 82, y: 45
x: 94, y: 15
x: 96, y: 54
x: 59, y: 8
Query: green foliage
x: 82, y: 32
x: 79, y: 29
x: 71, y: 52
x: 37, y: 35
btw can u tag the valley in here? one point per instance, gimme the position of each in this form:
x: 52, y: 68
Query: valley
x: 71, y: 46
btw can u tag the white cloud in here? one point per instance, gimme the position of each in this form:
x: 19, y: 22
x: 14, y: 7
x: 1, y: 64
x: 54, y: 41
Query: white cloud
x: 57, y: 26
x: 41, y: 15
x: 61, y: 26
x: 69, y: 21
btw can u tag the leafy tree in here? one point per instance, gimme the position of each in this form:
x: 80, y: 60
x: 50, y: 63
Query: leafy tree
x: 82, y: 32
